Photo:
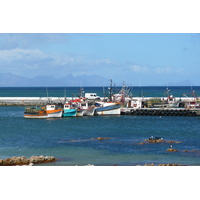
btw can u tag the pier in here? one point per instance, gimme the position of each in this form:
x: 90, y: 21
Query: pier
x: 162, y: 111
x: 30, y: 101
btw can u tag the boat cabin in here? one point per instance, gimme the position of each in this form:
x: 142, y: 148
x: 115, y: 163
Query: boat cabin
x: 50, y: 107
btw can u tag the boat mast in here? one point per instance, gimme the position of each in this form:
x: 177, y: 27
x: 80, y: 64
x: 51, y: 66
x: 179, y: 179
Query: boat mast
x: 65, y: 95
x: 123, y: 92
x: 104, y: 93
x: 81, y: 91
x: 48, y: 100
x: 110, y: 98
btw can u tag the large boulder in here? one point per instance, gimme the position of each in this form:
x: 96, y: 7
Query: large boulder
x: 26, y: 161
x: 172, y: 150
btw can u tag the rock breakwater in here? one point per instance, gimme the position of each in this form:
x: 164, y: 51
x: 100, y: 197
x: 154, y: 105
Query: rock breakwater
x: 26, y: 161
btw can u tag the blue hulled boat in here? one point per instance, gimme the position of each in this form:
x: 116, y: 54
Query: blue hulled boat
x: 68, y: 111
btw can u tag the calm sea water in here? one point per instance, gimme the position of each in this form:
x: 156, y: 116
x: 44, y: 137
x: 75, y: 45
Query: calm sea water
x: 69, y: 91
x: 73, y: 140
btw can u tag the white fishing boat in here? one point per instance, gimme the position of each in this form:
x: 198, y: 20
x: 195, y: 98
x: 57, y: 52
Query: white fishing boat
x: 83, y: 107
x: 192, y: 101
x: 168, y: 102
x: 89, y: 111
x: 107, y: 108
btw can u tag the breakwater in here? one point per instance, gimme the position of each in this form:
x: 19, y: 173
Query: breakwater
x: 162, y: 111
x: 31, y: 101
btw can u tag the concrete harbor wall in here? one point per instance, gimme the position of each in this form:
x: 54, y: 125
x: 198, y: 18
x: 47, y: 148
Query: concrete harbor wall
x: 31, y: 101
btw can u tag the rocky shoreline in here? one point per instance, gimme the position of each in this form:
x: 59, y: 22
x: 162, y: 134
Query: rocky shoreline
x: 15, y: 161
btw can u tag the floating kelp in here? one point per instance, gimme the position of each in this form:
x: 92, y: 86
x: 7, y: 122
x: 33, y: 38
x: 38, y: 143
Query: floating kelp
x: 100, y: 138
x: 84, y: 140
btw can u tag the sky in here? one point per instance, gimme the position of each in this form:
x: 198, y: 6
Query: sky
x: 136, y: 58
x: 143, y: 43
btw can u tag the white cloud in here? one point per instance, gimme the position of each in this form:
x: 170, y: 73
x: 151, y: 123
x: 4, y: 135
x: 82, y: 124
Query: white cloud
x: 103, y: 61
x: 160, y: 70
x: 32, y: 67
x: 137, y: 68
x: 30, y: 62
x: 68, y: 60
x: 181, y: 71
x: 156, y: 70
x: 20, y: 54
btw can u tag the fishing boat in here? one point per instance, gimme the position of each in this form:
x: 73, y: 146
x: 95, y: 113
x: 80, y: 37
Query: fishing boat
x: 192, y: 101
x: 112, y: 107
x: 82, y: 103
x: 170, y: 102
x: 107, y: 108
x: 80, y: 112
x: 88, y: 110
x: 68, y: 110
x: 76, y: 104
x: 124, y: 95
x: 50, y: 110
x: 166, y: 105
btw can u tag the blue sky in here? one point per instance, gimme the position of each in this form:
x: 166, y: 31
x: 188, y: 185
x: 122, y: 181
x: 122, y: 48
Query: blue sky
x: 136, y: 58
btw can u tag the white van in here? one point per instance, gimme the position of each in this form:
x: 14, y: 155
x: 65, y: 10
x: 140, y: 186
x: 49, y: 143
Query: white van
x: 91, y: 96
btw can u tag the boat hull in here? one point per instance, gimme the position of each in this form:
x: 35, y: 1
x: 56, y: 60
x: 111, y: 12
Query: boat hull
x: 89, y: 111
x: 79, y: 112
x: 69, y: 113
x: 44, y: 115
x: 108, y: 110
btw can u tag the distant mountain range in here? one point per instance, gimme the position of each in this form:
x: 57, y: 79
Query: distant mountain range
x: 12, y: 80
x: 182, y: 83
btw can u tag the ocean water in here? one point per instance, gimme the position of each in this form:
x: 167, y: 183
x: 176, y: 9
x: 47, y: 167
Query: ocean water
x: 73, y: 141
x: 74, y: 91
